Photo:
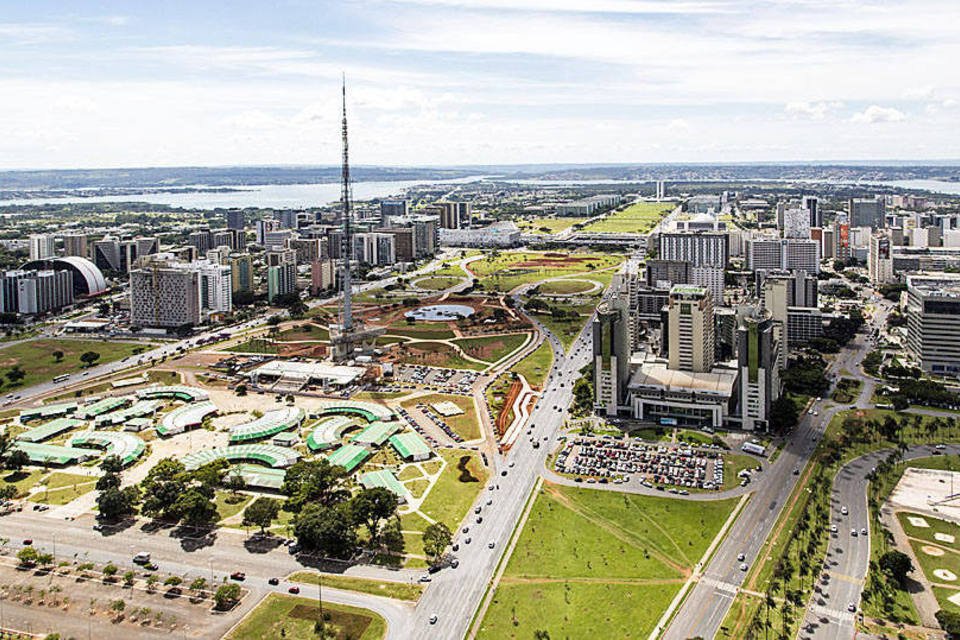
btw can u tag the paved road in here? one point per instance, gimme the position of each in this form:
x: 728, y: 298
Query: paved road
x: 455, y: 594
x: 707, y: 605
x: 848, y: 557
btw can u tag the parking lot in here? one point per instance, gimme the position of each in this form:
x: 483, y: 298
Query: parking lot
x: 674, y: 468
x: 446, y: 380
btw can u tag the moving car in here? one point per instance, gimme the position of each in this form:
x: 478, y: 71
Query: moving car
x: 433, y: 619
x: 294, y: 590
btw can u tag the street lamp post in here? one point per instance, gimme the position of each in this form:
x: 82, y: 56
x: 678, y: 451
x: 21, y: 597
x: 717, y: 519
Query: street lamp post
x: 323, y: 624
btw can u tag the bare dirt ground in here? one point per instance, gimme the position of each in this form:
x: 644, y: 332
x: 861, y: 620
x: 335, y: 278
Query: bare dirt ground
x: 81, y: 608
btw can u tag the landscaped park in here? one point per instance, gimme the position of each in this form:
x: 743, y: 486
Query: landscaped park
x: 639, y: 217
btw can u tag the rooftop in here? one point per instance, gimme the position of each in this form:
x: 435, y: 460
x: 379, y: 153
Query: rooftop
x: 654, y: 373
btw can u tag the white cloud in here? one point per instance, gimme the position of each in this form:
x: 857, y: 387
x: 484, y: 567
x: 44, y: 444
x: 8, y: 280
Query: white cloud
x: 813, y: 110
x: 875, y: 113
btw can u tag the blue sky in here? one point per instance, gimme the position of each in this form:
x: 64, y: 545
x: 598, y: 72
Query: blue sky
x: 439, y: 82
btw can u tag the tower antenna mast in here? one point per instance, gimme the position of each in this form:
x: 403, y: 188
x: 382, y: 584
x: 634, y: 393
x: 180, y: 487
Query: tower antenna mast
x: 346, y: 242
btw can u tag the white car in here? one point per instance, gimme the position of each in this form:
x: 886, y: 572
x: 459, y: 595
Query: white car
x: 844, y: 511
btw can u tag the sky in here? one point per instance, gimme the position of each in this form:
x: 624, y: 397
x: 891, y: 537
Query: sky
x: 460, y: 82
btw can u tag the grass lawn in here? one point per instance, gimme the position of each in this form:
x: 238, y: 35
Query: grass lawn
x: 456, y: 488
x: 950, y: 560
x: 567, y: 286
x: 567, y: 329
x: 378, y: 395
x: 283, y: 616
x: 398, y: 590
x: 942, y: 594
x: 591, y: 560
x: 435, y: 354
x: 62, y: 488
x: 423, y: 331
x: 409, y: 472
x: 58, y: 480
x: 24, y: 480
x: 509, y: 269
x: 467, y: 424
x: 536, y: 366
x: 255, y: 345
x: 491, y: 348
x: 230, y: 505
x: 639, y: 217
x: 417, y: 486
x: 37, y: 362
x: 306, y: 331
x: 438, y: 283
x: 544, y: 226
x: 927, y: 533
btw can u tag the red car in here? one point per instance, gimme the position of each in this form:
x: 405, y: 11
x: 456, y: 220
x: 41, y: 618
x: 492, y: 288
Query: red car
x: 238, y: 575
x: 27, y: 542
x: 294, y: 590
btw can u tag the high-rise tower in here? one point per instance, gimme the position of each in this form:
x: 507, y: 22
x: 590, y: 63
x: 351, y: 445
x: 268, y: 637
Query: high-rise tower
x: 348, y: 336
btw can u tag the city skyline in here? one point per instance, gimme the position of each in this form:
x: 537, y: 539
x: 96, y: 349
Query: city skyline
x: 462, y: 82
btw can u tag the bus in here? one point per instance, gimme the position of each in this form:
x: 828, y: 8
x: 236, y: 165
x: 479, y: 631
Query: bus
x: 62, y: 377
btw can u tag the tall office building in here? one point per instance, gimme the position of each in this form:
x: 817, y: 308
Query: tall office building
x: 771, y: 254
x: 277, y: 239
x: 841, y: 238
x: 611, y: 353
x: 449, y: 215
x: 867, y: 212
x: 759, y: 375
x: 661, y: 190
x: 236, y: 240
x: 281, y: 273
x: 699, y: 249
x: 801, y: 287
x: 241, y: 273
x: 263, y: 228
x: 691, y: 329
x: 812, y: 205
x: 119, y: 256
x: 776, y: 301
x: 393, y: 209
x: 75, y: 244
x: 880, y: 258
x: 802, y: 255
x: 164, y: 295
x: 465, y: 212
x: 933, y: 321
x: 202, y: 240
x: 666, y: 273
x: 236, y: 219
x: 33, y: 292
x: 376, y: 249
x: 42, y: 246
x: 323, y: 276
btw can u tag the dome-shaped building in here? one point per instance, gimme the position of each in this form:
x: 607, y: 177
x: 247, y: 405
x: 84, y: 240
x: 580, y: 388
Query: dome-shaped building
x: 88, y: 280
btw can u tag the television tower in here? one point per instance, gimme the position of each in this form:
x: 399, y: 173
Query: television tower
x: 348, y: 337
x: 346, y: 239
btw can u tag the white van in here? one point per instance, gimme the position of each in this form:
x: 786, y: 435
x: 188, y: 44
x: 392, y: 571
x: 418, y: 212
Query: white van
x: 142, y: 558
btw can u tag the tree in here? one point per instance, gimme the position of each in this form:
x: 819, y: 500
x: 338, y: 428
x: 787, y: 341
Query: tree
x: 110, y: 570
x: 57, y: 355
x: 370, y: 506
x: 325, y: 530
x: 783, y: 414
x: 196, y: 507
x: 16, y: 460
x: 313, y: 481
x: 89, y: 357
x: 8, y: 492
x: 226, y: 595
x: 241, y: 390
x: 114, y: 503
x: 897, y: 564
x: 15, y: 374
x: 162, y: 487
x: 112, y: 464
x: 198, y: 585
x: 27, y: 556
x: 949, y: 621
x: 235, y: 483
x: 436, y: 538
x: 108, y: 481
x: 261, y: 513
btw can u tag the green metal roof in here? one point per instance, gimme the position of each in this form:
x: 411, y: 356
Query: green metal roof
x: 327, y: 433
x: 100, y: 407
x: 49, y: 429
x: 386, y: 479
x: 52, y: 454
x: 48, y: 411
x: 409, y: 445
x: 128, y: 446
x: 376, y: 433
x: 349, y: 456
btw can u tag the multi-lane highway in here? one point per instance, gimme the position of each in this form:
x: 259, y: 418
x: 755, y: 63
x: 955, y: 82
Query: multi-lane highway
x: 704, y: 610
x: 455, y: 594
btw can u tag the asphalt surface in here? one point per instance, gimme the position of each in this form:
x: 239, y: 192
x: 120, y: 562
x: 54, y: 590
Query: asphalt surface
x: 455, y: 594
x: 704, y: 610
